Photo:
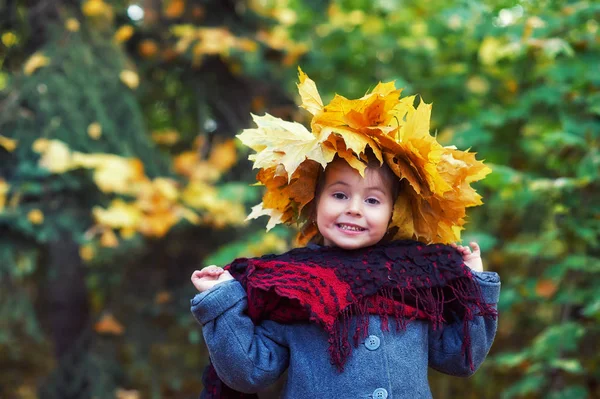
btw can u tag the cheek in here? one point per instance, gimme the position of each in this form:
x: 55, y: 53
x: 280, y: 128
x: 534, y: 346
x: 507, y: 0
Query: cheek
x: 383, y: 219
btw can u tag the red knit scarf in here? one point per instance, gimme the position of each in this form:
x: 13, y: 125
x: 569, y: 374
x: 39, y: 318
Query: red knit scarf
x: 328, y: 286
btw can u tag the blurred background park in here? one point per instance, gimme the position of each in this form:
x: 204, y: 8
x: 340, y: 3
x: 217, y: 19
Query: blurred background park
x: 120, y: 173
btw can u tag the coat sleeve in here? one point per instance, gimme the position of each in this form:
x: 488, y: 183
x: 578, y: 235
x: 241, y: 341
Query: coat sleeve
x: 247, y: 357
x: 445, y: 344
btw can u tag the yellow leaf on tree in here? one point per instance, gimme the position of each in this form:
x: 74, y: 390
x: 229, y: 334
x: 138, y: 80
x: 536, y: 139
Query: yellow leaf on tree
x: 111, y: 172
x: 8, y: 144
x: 94, y: 130
x: 198, y: 194
x: 184, y: 163
x: 166, y: 187
x: 36, y: 61
x: 109, y: 325
x: 219, y: 212
x: 87, y: 252
x: 223, y: 156
x: 96, y: 8
x: 130, y: 78
x: 118, y: 215
x: 127, y: 232
x: 150, y: 199
x: 72, y: 25
x: 4, y: 189
x: 35, y: 216
x: 158, y: 224
x: 109, y: 239
x: 124, y: 33
x: 188, y: 215
x: 55, y: 155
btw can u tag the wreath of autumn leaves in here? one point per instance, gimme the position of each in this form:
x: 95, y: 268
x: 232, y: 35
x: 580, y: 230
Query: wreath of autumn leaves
x: 437, y: 191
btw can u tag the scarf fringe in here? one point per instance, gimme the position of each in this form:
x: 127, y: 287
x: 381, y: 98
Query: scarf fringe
x: 429, y: 304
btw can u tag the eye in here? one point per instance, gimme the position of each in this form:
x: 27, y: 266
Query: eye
x: 339, y: 196
x: 372, y: 201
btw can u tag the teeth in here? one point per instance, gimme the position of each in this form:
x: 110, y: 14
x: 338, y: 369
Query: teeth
x: 352, y: 228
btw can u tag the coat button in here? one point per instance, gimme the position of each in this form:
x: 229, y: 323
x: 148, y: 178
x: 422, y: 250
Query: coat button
x: 372, y: 342
x: 380, y: 393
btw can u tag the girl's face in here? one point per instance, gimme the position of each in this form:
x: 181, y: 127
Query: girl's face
x: 353, y: 212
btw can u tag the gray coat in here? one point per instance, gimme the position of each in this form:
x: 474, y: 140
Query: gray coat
x: 391, y: 364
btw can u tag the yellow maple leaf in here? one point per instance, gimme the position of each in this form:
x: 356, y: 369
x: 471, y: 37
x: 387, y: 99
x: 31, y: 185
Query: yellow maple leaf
x: 311, y: 99
x: 274, y: 215
x: 353, y: 140
x: 280, y: 142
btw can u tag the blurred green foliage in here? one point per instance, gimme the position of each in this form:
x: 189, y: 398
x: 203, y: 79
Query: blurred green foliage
x: 518, y: 82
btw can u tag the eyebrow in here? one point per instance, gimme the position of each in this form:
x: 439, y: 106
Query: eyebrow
x: 370, y: 188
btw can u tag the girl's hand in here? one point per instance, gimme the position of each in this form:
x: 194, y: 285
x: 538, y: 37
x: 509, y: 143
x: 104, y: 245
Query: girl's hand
x: 208, y: 277
x: 471, y: 256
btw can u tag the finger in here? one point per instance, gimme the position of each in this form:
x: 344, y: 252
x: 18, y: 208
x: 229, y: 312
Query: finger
x: 212, y: 269
x: 474, y: 246
x: 196, y: 275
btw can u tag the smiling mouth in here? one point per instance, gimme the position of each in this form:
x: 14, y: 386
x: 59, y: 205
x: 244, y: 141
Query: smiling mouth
x: 349, y: 227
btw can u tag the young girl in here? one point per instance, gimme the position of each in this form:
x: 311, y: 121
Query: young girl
x: 356, y: 313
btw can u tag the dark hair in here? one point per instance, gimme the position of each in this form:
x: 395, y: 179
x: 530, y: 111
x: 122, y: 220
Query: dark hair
x: 386, y: 173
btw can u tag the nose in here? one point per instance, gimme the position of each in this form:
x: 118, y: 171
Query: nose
x: 354, y: 207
